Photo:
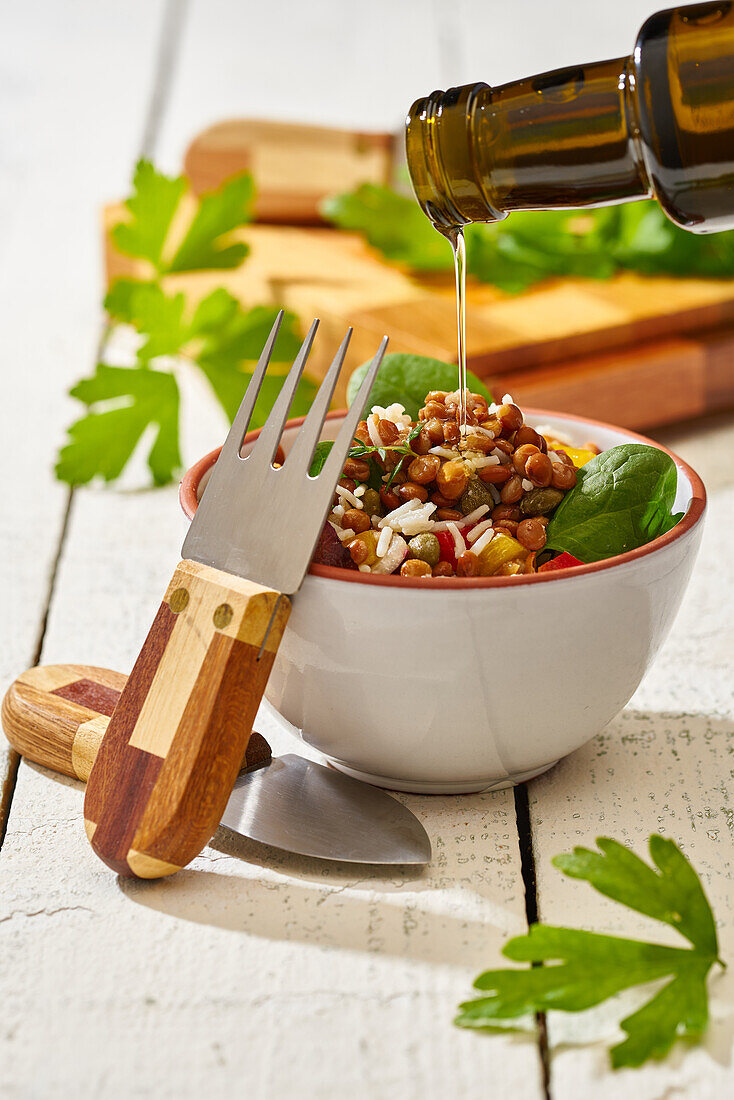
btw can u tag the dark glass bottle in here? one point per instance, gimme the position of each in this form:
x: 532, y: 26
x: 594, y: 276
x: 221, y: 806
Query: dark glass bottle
x: 658, y: 123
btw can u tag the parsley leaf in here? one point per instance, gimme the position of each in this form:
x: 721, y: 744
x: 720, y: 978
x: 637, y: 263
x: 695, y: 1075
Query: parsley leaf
x: 215, y: 334
x: 220, y: 337
x: 148, y: 309
x: 218, y: 214
x: 122, y: 403
x: 533, y: 245
x: 392, y: 223
x: 581, y: 969
x: 153, y: 207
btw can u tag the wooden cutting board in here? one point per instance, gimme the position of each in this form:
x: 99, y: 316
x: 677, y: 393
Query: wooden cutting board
x: 636, y: 350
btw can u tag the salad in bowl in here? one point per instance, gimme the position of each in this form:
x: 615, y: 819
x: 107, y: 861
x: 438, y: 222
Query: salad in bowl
x: 440, y: 642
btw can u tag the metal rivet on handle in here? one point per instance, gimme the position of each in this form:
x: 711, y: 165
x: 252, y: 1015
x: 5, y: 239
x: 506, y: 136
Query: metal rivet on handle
x: 178, y: 601
x: 223, y: 616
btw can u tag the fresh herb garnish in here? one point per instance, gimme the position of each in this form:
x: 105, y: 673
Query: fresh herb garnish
x: 366, y: 451
x: 215, y: 334
x: 532, y: 245
x: 406, y: 379
x: 102, y: 442
x: 623, y: 499
x: 581, y: 969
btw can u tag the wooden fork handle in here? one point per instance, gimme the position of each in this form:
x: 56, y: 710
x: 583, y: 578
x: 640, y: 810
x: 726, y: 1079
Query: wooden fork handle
x: 174, y: 744
x: 57, y: 715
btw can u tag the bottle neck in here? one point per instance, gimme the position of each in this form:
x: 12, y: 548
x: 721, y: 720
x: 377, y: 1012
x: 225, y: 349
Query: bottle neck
x: 566, y: 138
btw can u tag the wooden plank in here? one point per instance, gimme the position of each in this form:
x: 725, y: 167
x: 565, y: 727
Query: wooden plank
x: 328, y: 159
x: 655, y: 384
x: 64, y: 150
x: 663, y: 766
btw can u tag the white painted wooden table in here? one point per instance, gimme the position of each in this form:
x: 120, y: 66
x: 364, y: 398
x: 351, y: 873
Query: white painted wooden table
x: 254, y: 973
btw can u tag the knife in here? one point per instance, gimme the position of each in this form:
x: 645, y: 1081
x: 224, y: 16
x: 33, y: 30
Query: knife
x: 56, y: 715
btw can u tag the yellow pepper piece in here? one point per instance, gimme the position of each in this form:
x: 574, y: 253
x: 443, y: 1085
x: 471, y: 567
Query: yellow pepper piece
x: 369, y: 538
x: 502, y: 548
x: 578, y: 455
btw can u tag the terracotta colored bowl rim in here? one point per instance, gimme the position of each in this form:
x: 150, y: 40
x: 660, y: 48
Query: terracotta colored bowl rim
x: 696, y: 508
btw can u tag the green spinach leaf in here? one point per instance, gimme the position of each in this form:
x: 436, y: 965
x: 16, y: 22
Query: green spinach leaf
x: 408, y: 378
x: 320, y: 456
x: 623, y: 499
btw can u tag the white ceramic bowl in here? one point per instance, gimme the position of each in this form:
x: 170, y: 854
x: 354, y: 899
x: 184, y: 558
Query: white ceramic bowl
x: 468, y: 684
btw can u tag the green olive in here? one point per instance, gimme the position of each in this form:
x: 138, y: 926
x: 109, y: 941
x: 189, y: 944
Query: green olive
x: 371, y: 503
x: 475, y: 494
x: 540, y: 502
x: 425, y: 547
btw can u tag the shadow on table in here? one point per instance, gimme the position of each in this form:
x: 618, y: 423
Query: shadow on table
x: 372, y: 913
x: 456, y: 911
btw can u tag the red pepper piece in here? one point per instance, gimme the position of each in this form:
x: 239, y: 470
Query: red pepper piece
x: 446, y: 542
x: 563, y: 561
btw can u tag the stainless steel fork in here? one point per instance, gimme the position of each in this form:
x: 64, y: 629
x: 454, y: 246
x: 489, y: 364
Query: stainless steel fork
x: 177, y: 737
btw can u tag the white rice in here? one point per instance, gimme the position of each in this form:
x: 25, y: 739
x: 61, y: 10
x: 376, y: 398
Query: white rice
x: 347, y: 494
x: 486, y: 460
x: 415, y: 521
x: 395, y: 412
x: 338, y: 511
x: 483, y: 541
x: 375, y: 436
x: 480, y: 528
x: 364, y: 568
x: 508, y: 399
x: 527, y: 485
x: 393, y: 557
x: 442, y: 452
x: 476, y: 514
x: 459, y: 544
x: 360, y: 490
x: 475, y: 429
x: 548, y: 430
x: 417, y: 524
x: 396, y: 514
x: 346, y: 534
x: 384, y: 541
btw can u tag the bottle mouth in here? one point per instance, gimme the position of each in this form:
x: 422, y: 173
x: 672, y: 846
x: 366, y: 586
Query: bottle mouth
x: 439, y: 146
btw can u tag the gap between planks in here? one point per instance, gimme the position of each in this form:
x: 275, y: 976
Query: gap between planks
x: 527, y: 866
x: 11, y: 771
x: 169, y: 42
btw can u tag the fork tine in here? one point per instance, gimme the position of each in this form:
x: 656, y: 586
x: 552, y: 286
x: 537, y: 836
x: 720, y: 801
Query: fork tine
x: 241, y: 422
x: 301, y: 453
x: 267, y: 442
x: 338, y: 453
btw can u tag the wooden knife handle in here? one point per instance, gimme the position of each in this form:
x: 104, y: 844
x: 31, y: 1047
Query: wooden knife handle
x: 56, y: 715
x: 174, y: 744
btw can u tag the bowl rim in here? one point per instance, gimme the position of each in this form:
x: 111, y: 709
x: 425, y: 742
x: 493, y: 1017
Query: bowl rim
x: 694, y: 512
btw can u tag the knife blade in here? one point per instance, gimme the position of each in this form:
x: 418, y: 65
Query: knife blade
x: 56, y: 715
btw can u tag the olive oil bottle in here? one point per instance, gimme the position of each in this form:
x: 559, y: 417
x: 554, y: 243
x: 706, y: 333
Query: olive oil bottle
x: 657, y: 123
